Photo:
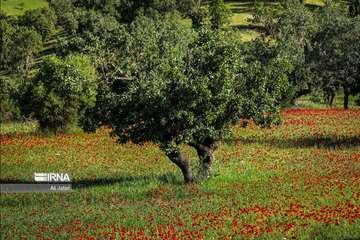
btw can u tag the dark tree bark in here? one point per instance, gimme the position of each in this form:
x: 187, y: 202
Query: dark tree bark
x: 332, y: 97
x: 197, y: 15
x: 181, y: 161
x: 326, y: 99
x: 205, y: 151
x: 346, y: 96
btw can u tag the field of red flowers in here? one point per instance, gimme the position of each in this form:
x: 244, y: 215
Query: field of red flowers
x: 299, y: 180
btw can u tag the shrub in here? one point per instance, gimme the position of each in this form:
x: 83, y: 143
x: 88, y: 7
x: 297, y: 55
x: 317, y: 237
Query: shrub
x: 62, y: 91
x: 9, y: 108
x: 43, y: 20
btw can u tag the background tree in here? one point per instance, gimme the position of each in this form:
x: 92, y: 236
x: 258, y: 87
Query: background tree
x: 9, y: 105
x: 219, y: 13
x: 26, y: 44
x: 65, y: 14
x: 19, y: 47
x: 194, y: 10
x: 336, y: 52
x: 7, y: 32
x: 62, y: 90
x: 292, y: 25
x: 43, y: 20
x: 61, y: 6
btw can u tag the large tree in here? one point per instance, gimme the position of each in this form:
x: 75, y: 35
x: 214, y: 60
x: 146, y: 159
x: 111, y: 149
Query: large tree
x: 181, y: 87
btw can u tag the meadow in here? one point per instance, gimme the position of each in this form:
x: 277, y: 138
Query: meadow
x: 299, y: 180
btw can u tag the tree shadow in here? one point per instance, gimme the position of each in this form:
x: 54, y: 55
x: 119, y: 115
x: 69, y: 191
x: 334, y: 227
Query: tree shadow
x: 242, y: 8
x: 167, y: 178
x: 249, y: 27
x: 330, y: 142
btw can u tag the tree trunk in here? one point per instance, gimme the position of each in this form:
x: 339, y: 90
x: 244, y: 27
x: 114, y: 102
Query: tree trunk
x: 327, y: 101
x: 346, y: 97
x: 197, y: 16
x: 332, y: 96
x: 205, y: 151
x: 180, y: 160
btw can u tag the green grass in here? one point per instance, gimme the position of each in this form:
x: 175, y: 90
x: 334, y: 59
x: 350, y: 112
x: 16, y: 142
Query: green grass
x: 298, y: 180
x: 241, y: 19
x: 306, y: 102
x: 18, y: 127
x: 19, y: 7
x: 315, y: 2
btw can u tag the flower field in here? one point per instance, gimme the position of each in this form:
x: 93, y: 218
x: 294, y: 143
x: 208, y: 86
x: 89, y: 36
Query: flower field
x: 299, y: 180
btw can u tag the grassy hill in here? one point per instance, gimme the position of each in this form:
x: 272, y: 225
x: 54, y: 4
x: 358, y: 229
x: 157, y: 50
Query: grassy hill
x: 19, y: 7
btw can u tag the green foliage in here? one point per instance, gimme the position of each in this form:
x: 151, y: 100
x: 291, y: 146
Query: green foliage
x: 91, y: 31
x: 61, y: 6
x: 336, y: 52
x: 269, y: 66
x: 69, y: 22
x: 62, y: 91
x: 26, y: 45
x: 65, y: 13
x: 9, y: 107
x: 7, y: 31
x: 266, y: 17
x: 323, y: 46
x: 127, y: 10
x: 43, y: 20
x: 99, y: 36
x: 20, y: 45
x: 193, y: 10
x: 219, y: 13
x: 354, y: 8
x: 357, y: 101
x: 292, y: 25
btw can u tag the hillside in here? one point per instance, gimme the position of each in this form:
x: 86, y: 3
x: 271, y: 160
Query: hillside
x: 19, y: 7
